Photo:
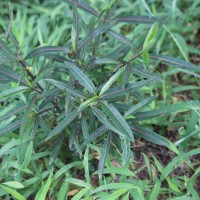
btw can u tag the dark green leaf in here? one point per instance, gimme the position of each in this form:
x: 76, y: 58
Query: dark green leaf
x: 81, y: 77
x: 97, y: 31
x: 126, y: 148
x: 46, y: 50
x: 104, y: 154
x: 64, y: 123
x: 176, y: 62
x: 11, y: 127
x: 82, y: 5
x: 97, y: 133
x: 117, y: 119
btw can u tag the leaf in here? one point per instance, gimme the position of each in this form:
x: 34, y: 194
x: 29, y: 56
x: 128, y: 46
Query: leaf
x: 27, y: 157
x: 145, y: 58
x: 139, y: 71
x: 115, y: 195
x: 112, y: 186
x: 176, y: 62
x: 12, y: 91
x: 122, y: 39
x: 117, y: 119
x: 6, y: 52
x: 115, y: 170
x: 86, y: 103
x: 82, y: 5
x: 14, y: 184
x: 14, y: 193
x: 64, y: 123
x: 151, y: 35
x: 41, y: 195
x: 18, y: 108
x: 65, y: 168
x: 77, y: 182
x: 150, y: 135
x: 155, y: 191
x: 102, y: 118
x: 67, y: 88
x: 104, y: 154
x: 46, y: 50
x: 81, y: 77
x: 139, y: 106
x: 137, y: 19
x: 174, y: 108
x: 84, y: 126
x: 12, y: 76
x: 111, y: 81
x: 120, y: 90
x: 75, y: 29
x: 80, y: 194
x: 126, y: 148
x: 9, y: 128
x: 97, y: 133
x: 97, y: 31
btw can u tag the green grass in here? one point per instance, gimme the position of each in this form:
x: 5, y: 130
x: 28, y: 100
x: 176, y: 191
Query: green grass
x: 34, y: 169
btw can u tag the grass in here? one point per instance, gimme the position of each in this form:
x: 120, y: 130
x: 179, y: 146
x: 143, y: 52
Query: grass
x: 154, y: 172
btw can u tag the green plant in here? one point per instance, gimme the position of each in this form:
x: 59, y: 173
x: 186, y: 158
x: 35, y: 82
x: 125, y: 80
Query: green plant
x: 85, y: 92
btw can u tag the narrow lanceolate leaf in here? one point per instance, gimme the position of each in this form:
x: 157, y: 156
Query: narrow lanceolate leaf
x: 64, y: 123
x: 12, y: 91
x: 141, y: 72
x: 64, y: 87
x: 46, y: 50
x: 126, y: 148
x: 12, y: 76
x: 104, y: 154
x: 151, y: 35
x: 75, y: 29
x: 9, y: 128
x: 120, y: 91
x: 145, y: 58
x: 17, y: 109
x: 103, y: 119
x: 174, y: 108
x: 82, y: 5
x: 122, y: 39
x: 84, y: 126
x: 97, y: 31
x: 6, y: 52
x: 57, y: 58
x: 81, y: 77
x: 111, y: 81
x: 140, y: 105
x: 97, y: 133
x: 137, y: 19
x: 27, y: 115
x: 150, y: 135
x: 86, y: 103
x: 117, y: 119
x: 176, y: 62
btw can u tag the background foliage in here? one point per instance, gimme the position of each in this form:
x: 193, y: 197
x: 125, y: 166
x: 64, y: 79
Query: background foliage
x: 36, y: 164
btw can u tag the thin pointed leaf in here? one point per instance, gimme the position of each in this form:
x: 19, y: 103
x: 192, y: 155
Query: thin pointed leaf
x: 176, y: 62
x: 81, y: 77
x: 12, y: 76
x: 117, y: 119
x: 84, y: 126
x: 65, y: 87
x: 97, y: 133
x: 75, y: 29
x: 120, y: 91
x: 104, y: 154
x: 18, y: 108
x: 46, y: 50
x: 174, y: 108
x: 126, y: 148
x: 141, y: 72
x: 97, y: 31
x: 63, y: 124
x: 82, y: 5
x: 12, y: 91
x: 111, y: 81
x: 122, y: 39
x: 9, y: 128
x: 140, y: 105
x: 102, y: 118
x: 137, y: 19
x: 6, y: 52
x: 150, y: 135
